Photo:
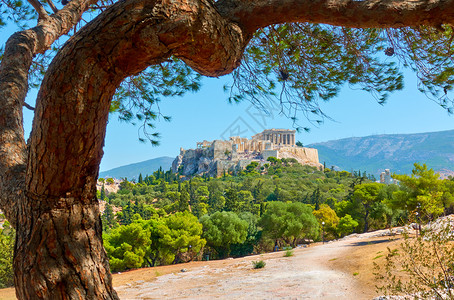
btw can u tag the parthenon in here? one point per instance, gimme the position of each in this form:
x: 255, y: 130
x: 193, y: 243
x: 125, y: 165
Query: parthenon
x: 269, y: 139
x: 284, y: 137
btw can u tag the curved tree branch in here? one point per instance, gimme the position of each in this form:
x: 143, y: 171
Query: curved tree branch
x: 136, y: 34
x: 348, y: 13
x: 15, y: 65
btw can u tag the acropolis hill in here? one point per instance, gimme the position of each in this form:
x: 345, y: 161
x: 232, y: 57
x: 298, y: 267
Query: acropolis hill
x: 215, y: 157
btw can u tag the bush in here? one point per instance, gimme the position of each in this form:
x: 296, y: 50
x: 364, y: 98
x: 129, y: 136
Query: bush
x: 422, y: 266
x: 258, y: 264
x: 7, y: 235
x: 288, y: 253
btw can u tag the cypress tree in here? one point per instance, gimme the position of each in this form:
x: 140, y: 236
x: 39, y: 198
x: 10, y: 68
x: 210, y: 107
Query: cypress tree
x: 140, y: 178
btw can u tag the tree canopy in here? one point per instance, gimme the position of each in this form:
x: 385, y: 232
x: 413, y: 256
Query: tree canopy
x: 133, y: 53
x: 289, y: 221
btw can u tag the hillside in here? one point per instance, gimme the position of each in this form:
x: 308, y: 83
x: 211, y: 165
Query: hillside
x: 145, y: 167
x: 397, y: 152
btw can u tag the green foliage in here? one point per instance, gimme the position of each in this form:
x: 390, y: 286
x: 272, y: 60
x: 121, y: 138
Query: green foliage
x: 126, y: 247
x: 102, y: 195
x: 273, y: 160
x: 327, y: 215
x: 367, y: 194
x: 258, y: 264
x: 231, y: 200
x: 346, y: 225
x: 289, y: 222
x: 238, y: 217
x: 183, y: 235
x: 253, y: 237
x: 276, y: 66
x: 422, y: 267
x: 108, y: 217
x: 7, y: 238
x: 136, y: 100
x: 222, y: 229
x: 288, y: 253
x: 183, y: 201
x: 424, y: 193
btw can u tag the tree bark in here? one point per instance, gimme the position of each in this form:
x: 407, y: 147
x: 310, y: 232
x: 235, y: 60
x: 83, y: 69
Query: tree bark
x: 48, y: 187
x: 366, y: 219
x: 15, y: 65
x: 253, y: 15
x: 59, y: 252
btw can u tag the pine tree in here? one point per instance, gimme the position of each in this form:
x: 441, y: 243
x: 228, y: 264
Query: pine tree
x: 140, y: 178
x: 183, y: 203
x: 231, y: 200
x: 103, y: 193
x: 108, y: 217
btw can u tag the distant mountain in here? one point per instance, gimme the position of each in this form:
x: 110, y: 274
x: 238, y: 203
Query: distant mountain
x: 396, y: 152
x: 133, y: 170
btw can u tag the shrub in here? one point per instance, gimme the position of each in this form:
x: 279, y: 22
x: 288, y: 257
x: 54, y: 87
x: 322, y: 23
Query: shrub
x: 7, y: 235
x: 258, y: 264
x: 288, y: 253
x: 421, y: 266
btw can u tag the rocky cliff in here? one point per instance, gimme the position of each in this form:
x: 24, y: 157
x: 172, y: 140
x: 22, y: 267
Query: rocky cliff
x: 222, y: 156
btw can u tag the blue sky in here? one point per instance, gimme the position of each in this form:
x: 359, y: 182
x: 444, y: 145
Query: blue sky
x: 208, y: 115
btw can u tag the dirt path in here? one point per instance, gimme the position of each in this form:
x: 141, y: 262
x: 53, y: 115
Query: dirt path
x: 316, y: 272
x: 336, y: 270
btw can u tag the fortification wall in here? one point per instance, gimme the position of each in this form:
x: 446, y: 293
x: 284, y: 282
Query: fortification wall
x: 305, y: 156
x: 220, y: 148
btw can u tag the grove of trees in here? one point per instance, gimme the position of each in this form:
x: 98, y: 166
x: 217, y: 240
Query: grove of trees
x: 89, y: 58
x: 282, y: 205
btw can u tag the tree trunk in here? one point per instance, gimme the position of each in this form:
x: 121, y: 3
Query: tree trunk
x: 47, y: 188
x: 59, y: 252
x: 366, y: 218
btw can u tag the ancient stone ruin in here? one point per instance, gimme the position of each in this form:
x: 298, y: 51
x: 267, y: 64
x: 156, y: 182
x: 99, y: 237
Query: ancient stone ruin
x: 218, y: 156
